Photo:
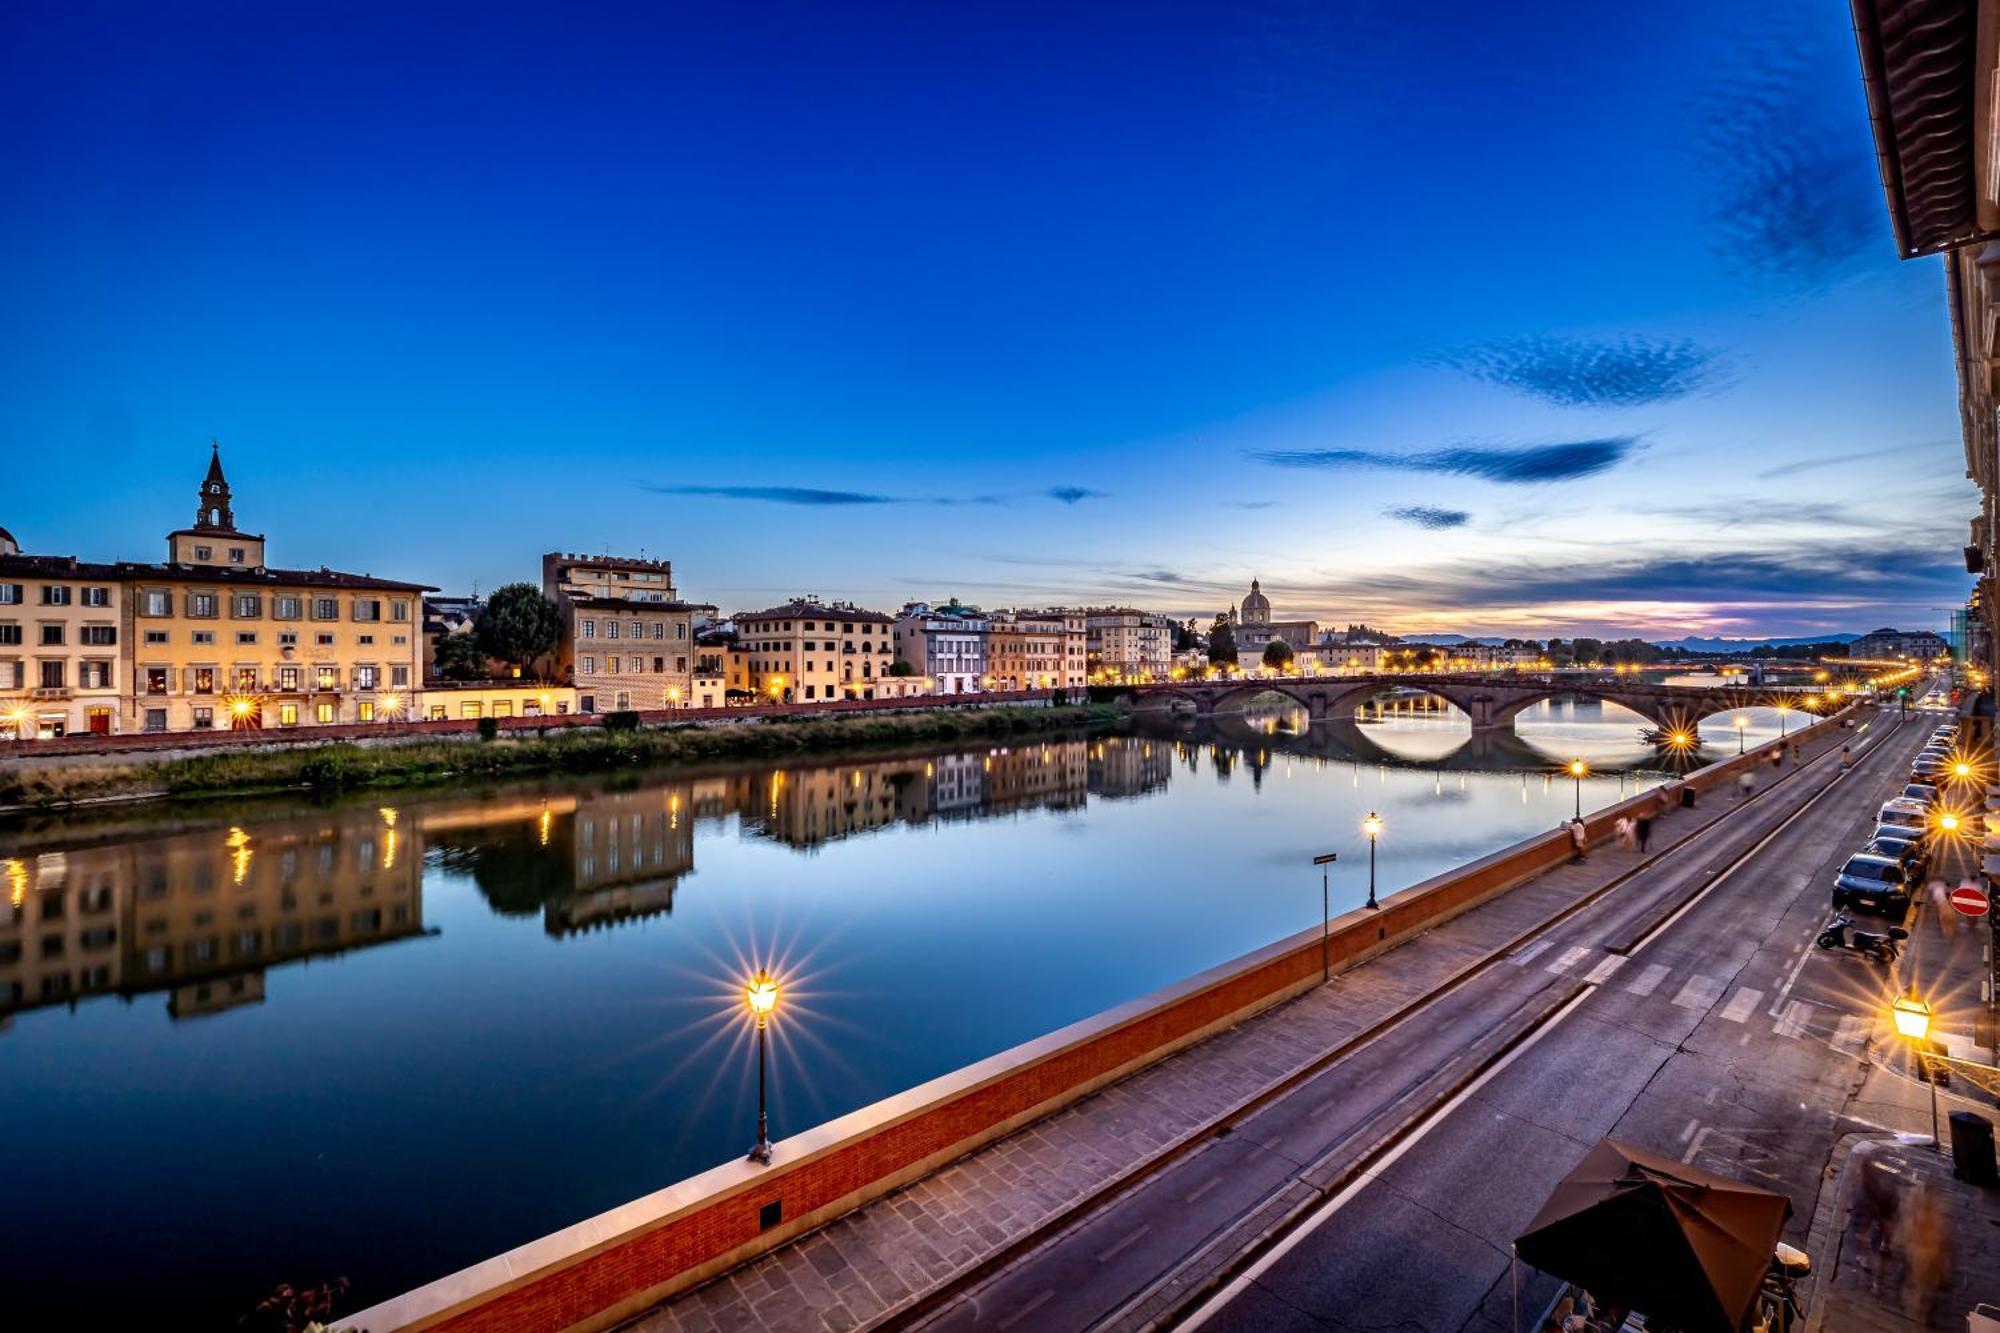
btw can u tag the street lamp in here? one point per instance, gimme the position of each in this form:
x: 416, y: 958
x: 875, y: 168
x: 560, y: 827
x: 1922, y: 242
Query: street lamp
x: 1913, y: 1020
x: 1784, y: 716
x: 1577, y: 769
x: 1740, y: 723
x: 761, y: 996
x: 1372, y: 826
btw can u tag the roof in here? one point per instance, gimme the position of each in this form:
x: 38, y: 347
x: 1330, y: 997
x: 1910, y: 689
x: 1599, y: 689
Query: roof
x: 132, y: 572
x: 1919, y: 66
x: 55, y: 567
x: 815, y: 610
x: 624, y: 603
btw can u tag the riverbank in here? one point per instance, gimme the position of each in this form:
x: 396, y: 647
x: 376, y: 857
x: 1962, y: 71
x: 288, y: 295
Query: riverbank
x: 345, y: 766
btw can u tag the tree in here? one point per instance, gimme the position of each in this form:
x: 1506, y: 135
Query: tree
x: 901, y: 668
x: 1277, y: 654
x: 518, y: 625
x: 1222, y: 642
x: 459, y: 657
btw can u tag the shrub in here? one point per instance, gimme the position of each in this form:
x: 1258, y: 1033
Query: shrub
x: 625, y: 720
x: 489, y: 727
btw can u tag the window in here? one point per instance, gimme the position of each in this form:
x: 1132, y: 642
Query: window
x: 365, y: 710
x: 365, y: 677
x: 96, y: 676
x: 246, y: 606
x: 245, y: 637
x: 323, y: 640
x: 399, y: 676
x: 326, y: 608
x: 236, y: 555
x: 204, y: 719
x: 288, y: 678
x: 10, y: 633
x: 590, y: 629
x: 52, y: 675
x: 288, y: 638
x: 399, y: 610
x: 202, y: 604
x: 323, y: 712
x: 680, y: 630
x: 288, y: 715
x: 503, y: 708
x: 202, y: 680
x: 55, y: 594
x: 680, y: 664
x: 156, y: 719
x: 367, y: 608
x: 437, y: 713
x: 246, y: 678
x: 624, y: 700
x: 611, y: 665
x: 660, y: 629
x: 52, y: 636
x: 611, y: 629
x: 589, y: 666
x: 365, y: 640
x: 659, y: 665
x: 100, y: 636
x: 156, y: 680
x: 204, y: 553
x: 326, y: 677
x: 470, y: 708
x: 285, y: 607
x: 10, y: 594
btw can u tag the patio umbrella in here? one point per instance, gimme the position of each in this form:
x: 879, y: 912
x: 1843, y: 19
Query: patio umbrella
x: 1684, y: 1246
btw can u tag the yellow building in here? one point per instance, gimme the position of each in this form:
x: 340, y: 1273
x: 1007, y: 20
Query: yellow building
x: 59, y: 645
x: 1026, y: 650
x: 444, y: 700
x: 628, y: 641
x: 807, y: 651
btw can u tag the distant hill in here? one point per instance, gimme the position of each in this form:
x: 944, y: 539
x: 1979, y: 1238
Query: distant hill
x: 1449, y: 640
x: 1698, y: 645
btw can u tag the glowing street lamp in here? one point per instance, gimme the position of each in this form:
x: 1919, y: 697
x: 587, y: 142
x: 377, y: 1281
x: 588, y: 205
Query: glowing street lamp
x: 1372, y: 826
x: 1577, y: 769
x: 1740, y: 723
x: 1784, y: 715
x: 761, y: 998
x: 1912, y: 1015
x: 1681, y: 740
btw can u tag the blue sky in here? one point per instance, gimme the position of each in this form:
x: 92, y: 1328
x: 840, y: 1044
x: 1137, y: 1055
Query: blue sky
x: 1432, y: 316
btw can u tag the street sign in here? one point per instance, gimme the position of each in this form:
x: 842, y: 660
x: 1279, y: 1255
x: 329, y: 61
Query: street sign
x: 1328, y: 859
x: 1968, y: 901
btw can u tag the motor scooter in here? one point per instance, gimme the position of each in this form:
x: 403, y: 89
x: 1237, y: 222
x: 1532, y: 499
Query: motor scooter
x: 1883, y: 948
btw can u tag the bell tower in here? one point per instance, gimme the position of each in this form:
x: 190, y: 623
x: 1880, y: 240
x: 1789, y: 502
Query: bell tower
x: 212, y: 512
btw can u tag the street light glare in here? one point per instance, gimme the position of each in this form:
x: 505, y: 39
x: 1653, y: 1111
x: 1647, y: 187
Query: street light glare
x: 1372, y: 826
x: 1912, y: 1015
x: 761, y: 995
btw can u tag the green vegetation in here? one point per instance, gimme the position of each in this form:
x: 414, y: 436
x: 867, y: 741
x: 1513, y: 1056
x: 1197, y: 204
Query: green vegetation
x: 343, y: 766
x: 459, y: 657
x: 1222, y: 642
x: 1278, y: 654
x: 518, y: 625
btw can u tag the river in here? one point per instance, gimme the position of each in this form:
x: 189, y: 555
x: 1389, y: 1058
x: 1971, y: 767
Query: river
x: 386, y: 1037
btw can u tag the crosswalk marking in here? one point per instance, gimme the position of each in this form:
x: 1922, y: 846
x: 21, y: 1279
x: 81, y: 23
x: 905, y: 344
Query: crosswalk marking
x: 1569, y: 959
x: 1699, y: 993
x: 1742, y: 1004
x: 1522, y: 957
x: 1852, y: 1031
x: 1600, y: 974
x: 1649, y: 980
x: 1792, y: 1023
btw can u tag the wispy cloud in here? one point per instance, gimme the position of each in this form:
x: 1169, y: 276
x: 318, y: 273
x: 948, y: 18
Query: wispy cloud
x: 1429, y: 516
x: 1524, y: 465
x: 1580, y: 372
x: 813, y: 497
x: 1802, y: 465
x: 1248, y: 504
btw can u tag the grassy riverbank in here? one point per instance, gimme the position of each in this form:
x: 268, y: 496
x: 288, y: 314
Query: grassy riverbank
x: 345, y: 766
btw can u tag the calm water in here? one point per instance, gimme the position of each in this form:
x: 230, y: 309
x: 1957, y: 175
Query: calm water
x: 389, y: 1037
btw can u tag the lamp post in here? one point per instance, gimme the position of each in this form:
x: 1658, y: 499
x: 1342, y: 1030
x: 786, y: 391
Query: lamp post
x: 1372, y: 826
x: 1577, y: 769
x: 1325, y: 913
x: 1913, y: 1020
x: 1740, y: 723
x: 761, y: 995
x: 1784, y: 716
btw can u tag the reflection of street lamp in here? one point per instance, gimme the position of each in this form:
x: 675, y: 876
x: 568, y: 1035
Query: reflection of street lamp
x: 1913, y: 1020
x: 1372, y: 826
x: 761, y: 995
x: 1577, y: 769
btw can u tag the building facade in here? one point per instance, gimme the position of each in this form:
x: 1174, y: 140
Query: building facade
x: 1026, y: 650
x: 1886, y: 643
x: 808, y: 651
x: 62, y: 663
x: 946, y: 644
x: 1135, y: 645
x: 628, y: 639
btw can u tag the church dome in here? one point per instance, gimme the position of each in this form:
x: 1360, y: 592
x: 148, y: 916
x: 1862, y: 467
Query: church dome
x: 1256, y: 607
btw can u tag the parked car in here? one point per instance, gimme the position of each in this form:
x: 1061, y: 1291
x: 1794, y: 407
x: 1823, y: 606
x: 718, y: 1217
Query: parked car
x: 1907, y: 846
x: 1917, y: 822
x: 1872, y: 882
x: 1922, y: 791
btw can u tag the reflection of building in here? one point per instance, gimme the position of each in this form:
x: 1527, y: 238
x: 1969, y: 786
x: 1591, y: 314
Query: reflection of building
x: 1129, y: 766
x: 201, y: 914
x: 629, y: 850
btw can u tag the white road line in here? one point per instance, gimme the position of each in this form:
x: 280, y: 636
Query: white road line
x: 1120, y: 1246
x: 1700, y: 993
x: 1695, y: 1146
x: 1741, y: 1004
x: 1649, y: 980
x: 1569, y: 959
x: 1523, y: 956
x: 1792, y: 1023
x: 1688, y: 1133
x: 1600, y: 974
x: 1314, y: 1220
x: 1024, y: 1311
x: 1211, y: 1183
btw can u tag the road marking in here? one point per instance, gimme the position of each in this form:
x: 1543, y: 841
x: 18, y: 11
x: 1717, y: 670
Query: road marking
x: 1043, y: 1299
x: 1522, y: 957
x: 1853, y: 1030
x: 1570, y: 958
x: 1792, y: 1023
x: 1700, y: 992
x: 1695, y: 1146
x: 1741, y: 1004
x: 1203, y: 1188
x: 1649, y: 980
x: 1314, y: 1220
x: 1600, y: 974
x: 1119, y: 1247
x: 1688, y: 1133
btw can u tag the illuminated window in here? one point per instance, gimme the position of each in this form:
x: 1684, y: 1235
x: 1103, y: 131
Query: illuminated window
x: 288, y: 715
x: 469, y: 708
x: 503, y: 708
x: 365, y: 710
x: 323, y: 712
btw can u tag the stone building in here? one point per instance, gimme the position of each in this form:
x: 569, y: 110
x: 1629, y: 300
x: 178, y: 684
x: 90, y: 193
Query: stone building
x: 947, y: 644
x: 628, y: 639
x: 1255, y: 629
x: 808, y: 651
x: 1120, y: 641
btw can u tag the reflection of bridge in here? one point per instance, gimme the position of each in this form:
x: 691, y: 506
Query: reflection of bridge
x: 1344, y: 741
x: 1492, y: 702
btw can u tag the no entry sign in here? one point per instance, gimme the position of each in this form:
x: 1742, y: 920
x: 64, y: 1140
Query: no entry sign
x: 1968, y: 900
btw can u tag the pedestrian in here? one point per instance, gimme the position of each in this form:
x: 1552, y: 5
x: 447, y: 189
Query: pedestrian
x: 1923, y: 1233
x: 1795, y: 754
x: 1747, y: 784
x: 1941, y: 905
x: 1846, y: 757
x: 1643, y: 829
x: 1622, y: 829
x: 1778, y: 757
x: 1577, y: 838
x: 1874, y: 1196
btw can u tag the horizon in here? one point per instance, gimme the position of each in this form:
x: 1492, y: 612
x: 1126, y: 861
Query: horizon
x: 906, y: 304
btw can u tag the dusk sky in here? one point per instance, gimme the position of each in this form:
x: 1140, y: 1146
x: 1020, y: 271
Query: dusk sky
x: 1443, y: 317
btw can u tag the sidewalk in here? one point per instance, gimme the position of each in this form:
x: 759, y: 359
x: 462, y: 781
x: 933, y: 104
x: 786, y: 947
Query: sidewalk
x: 1857, y: 1288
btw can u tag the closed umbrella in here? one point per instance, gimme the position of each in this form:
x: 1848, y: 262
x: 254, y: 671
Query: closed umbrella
x: 1683, y: 1246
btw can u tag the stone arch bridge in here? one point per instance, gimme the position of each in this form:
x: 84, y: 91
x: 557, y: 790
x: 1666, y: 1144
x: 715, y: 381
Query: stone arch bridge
x: 1492, y: 702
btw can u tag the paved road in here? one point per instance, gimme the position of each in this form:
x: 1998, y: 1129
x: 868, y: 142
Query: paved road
x: 1719, y: 1016
x: 1728, y: 1040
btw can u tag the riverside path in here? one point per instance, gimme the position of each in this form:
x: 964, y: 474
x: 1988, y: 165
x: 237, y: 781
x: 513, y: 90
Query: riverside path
x: 1364, y: 1153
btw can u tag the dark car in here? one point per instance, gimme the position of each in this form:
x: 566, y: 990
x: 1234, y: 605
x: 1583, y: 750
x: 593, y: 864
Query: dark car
x: 1872, y: 882
x: 1904, y: 846
x: 1922, y: 791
